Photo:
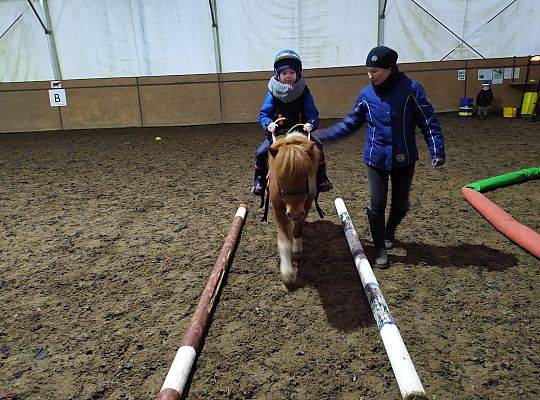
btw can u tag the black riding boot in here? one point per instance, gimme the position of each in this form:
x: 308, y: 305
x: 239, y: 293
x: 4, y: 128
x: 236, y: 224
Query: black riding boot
x: 393, y: 221
x: 259, y: 181
x: 376, y: 225
x: 323, y: 183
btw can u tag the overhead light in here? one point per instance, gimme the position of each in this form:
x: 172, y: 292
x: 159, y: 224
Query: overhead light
x: 535, y: 58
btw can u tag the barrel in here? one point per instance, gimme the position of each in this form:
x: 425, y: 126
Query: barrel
x: 466, y: 107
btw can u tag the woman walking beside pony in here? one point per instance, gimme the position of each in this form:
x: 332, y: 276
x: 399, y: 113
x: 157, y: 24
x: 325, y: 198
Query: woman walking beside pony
x: 391, y: 106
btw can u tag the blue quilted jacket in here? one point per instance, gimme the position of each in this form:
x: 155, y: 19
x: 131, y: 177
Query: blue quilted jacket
x: 391, y: 117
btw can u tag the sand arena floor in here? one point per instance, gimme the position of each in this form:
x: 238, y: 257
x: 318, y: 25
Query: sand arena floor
x: 107, y: 239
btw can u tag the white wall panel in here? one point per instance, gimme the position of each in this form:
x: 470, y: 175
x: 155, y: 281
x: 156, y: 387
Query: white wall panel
x: 324, y: 33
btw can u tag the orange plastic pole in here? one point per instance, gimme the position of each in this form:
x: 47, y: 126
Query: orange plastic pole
x: 520, y: 234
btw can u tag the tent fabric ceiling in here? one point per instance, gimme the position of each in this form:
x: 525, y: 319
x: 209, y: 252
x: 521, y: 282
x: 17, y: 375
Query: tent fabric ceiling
x: 24, y: 53
x: 326, y: 34
x: 419, y: 37
x: 122, y: 38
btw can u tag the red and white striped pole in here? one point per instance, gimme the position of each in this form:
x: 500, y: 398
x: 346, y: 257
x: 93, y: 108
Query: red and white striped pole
x: 185, y: 356
x: 408, y: 381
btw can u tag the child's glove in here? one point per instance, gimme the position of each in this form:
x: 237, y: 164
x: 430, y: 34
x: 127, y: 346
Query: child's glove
x: 308, y: 127
x: 437, y: 162
x: 271, y: 127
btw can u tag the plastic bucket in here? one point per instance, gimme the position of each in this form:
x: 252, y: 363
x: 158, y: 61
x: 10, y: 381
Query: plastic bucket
x: 509, y: 112
x: 466, y: 107
x: 466, y: 102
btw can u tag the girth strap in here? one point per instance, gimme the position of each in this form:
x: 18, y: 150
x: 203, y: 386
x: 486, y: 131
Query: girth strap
x: 319, y: 209
x: 265, y: 200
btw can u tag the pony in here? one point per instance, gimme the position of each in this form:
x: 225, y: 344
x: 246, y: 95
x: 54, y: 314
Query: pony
x: 292, y: 165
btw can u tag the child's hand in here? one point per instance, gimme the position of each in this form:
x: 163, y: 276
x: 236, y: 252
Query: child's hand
x: 271, y: 127
x: 308, y: 127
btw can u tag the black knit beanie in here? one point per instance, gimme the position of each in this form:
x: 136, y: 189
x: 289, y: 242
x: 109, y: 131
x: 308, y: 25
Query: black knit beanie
x: 382, y: 57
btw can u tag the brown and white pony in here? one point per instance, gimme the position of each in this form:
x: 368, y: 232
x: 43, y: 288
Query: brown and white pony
x: 292, y: 165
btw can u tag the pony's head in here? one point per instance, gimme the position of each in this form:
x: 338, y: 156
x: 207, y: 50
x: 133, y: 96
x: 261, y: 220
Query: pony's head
x: 293, y: 163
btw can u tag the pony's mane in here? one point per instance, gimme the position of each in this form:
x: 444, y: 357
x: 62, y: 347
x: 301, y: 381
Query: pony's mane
x: 295, y: 157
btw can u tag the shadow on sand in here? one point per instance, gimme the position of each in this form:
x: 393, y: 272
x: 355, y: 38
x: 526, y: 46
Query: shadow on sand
x: 328, y: 267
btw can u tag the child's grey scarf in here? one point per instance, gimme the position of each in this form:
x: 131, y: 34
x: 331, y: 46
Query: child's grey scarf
x: 286, y: 93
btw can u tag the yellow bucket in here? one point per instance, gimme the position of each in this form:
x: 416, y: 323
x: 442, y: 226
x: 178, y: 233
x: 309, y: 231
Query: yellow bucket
x: 508, y: 112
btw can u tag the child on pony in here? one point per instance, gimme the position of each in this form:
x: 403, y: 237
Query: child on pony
x: 289, y: 100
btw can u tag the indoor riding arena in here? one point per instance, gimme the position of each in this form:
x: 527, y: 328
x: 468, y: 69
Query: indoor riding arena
x: 127, y: 152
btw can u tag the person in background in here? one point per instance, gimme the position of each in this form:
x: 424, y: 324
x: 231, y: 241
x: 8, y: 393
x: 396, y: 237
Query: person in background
x: 392, y: 106
x: 288, y: 97
x: 484, y: 100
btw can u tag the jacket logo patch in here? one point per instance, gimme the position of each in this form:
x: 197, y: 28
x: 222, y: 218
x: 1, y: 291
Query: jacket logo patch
x: 400, y: 157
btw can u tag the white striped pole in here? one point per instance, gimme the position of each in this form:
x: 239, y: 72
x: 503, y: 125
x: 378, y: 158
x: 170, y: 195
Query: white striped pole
x: 408, y: 381
x: 185, y: 356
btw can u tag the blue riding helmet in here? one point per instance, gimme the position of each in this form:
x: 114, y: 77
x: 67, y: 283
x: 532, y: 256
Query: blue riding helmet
x: 288, y: 59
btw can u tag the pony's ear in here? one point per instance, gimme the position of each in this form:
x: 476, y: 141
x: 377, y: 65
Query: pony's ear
x: 273, y: 150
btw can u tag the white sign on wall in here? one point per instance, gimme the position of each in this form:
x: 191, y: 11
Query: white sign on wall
x: 516, y: 73
x: 485, y: 74
x: 57, y: 97
x: 461, y: 74
x: 508, y: 73
x: 497, y: 76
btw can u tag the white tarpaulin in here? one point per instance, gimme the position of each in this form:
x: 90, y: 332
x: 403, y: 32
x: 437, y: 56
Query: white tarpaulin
x: 107, y: 38
x: 417, y: 36
x: 104, y: 38
x: 324, y: 33
x: 24, y: 52
x: 115, y: 38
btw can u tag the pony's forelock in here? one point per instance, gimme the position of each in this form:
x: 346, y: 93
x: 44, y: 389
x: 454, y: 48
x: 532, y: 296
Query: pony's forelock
x: 296, y: 157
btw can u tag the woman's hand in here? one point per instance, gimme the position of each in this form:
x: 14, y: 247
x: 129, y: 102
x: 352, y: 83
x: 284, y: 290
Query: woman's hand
x: 308, y: 127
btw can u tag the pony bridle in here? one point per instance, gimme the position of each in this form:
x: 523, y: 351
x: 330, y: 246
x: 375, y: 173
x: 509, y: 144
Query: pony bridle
x: 282, y: 192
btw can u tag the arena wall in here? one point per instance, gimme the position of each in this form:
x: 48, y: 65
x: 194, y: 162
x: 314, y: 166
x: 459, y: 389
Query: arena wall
x: 231, y: 97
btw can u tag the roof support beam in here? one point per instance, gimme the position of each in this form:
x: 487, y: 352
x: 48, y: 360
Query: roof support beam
x: 215, y: 30
x: 448, y: 29
x: 55, y: 60
x: 47, y: 31
x: 380, y: 22
x: 472, y: 34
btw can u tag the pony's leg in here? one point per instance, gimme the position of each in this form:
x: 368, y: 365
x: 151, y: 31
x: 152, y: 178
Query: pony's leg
x: 298, y: 233
x: 288, y: 272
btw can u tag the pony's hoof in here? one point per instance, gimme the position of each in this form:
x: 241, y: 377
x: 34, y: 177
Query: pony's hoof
x: 286, y: 288
x: 288, y: 281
